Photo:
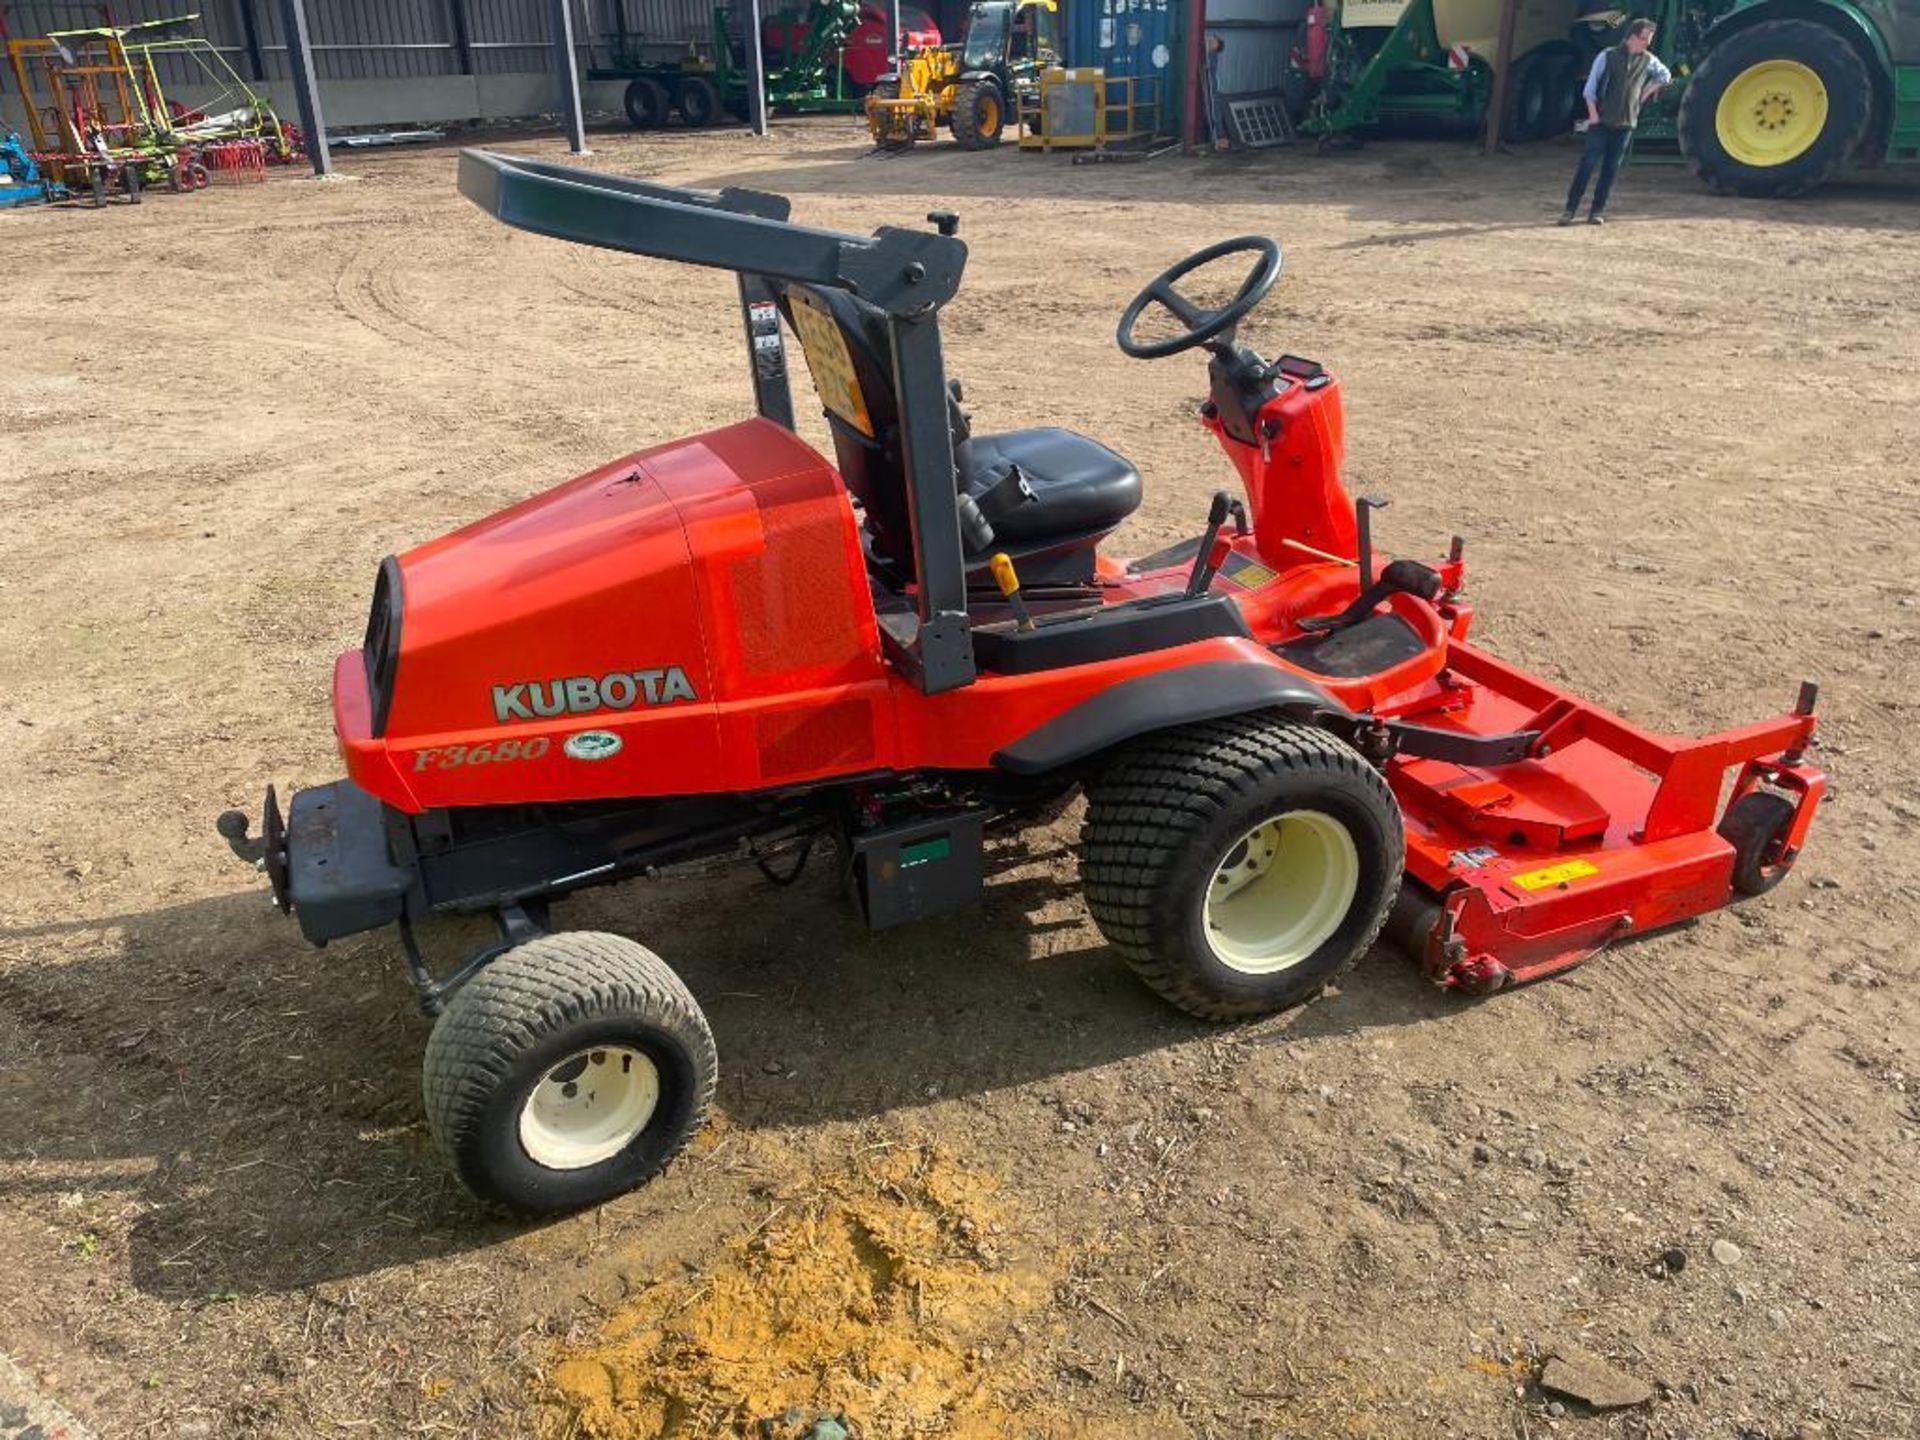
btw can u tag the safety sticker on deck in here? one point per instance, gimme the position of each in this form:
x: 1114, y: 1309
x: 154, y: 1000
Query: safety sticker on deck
x: 1556, y: 874
x: 1247, y: 574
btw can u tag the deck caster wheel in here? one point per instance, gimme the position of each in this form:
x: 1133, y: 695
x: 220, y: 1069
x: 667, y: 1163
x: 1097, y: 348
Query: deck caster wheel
x: 1241, y: 865
x: 567, y: 1071
x: 1756, y: 826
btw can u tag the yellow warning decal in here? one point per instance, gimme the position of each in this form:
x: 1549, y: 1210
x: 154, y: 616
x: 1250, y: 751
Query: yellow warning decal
x: 1247, y: 574
x: 1556, y: 874
x: 827, y: 358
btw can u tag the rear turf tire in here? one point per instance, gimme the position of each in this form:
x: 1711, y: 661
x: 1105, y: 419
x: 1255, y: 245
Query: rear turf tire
x: 1165, y: 824
x: 539, y: 1050
x: 979, y: 115
x: 1775, y: 110
x: 1756, y: 826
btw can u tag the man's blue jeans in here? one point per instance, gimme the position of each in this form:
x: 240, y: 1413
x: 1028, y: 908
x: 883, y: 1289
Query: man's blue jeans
x: 1606, y: 148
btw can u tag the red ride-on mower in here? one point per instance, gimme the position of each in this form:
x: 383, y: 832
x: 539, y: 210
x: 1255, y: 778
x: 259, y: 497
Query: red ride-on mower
x: 730, y: 644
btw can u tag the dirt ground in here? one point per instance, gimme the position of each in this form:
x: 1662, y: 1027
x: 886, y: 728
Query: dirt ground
x: 1684, y: 451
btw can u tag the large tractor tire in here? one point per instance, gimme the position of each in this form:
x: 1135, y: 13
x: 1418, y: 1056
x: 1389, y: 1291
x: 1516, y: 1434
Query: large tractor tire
x: 979, y: 115
x: 1541, y: 94
x: 646, y: 104
x: 1775, y: 110
x: 699, y: 102
x: 1241, y: 865
x: 569, y: 1070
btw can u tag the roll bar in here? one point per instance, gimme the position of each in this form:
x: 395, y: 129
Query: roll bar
x: 908, y: 274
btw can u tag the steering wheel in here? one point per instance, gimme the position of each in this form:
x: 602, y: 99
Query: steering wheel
x: 1202, y: 324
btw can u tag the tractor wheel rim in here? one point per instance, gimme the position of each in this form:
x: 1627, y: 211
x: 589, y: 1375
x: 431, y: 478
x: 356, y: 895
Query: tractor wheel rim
x: 589, y: 1107
x: 989, y: 115
x: 1280, y: 891
x: 1771, y: 113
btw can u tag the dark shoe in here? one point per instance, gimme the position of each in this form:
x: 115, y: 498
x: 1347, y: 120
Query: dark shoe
x: 1567, y: 218
x: 1596, y: 218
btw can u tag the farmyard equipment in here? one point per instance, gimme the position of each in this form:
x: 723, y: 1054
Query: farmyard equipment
x: 21, y: 182
x: 974, y: 87
x: 729, y: 644
x: 702, y: 88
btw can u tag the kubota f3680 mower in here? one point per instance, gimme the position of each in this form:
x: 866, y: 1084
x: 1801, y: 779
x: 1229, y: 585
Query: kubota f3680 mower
x: 729, y: 643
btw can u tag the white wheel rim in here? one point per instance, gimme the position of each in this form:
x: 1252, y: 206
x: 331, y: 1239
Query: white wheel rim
x: 1280, y: 891
x: 589, y: 1107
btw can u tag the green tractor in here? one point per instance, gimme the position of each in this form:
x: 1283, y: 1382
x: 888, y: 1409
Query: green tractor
x: 1778, y: 95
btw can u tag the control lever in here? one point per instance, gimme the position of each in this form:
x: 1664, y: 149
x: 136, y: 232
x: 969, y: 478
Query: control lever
x: 1404, y: 577
x: 1212, y: 553
x: 1008, y: 580
x: 1363, y: 509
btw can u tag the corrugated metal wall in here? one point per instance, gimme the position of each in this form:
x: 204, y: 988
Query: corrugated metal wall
x: 375, y: 39
x: 1256, y: 37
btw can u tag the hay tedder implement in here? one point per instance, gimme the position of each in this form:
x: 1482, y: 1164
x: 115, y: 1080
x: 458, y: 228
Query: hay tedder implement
x: 91, y: 127
x: 730, y: 644
x: 100, y: 119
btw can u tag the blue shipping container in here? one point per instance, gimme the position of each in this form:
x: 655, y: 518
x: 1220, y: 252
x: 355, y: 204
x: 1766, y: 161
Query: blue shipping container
x: 1127, y: 37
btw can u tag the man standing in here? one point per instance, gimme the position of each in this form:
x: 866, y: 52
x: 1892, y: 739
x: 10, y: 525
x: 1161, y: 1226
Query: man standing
x: 1622, y: 79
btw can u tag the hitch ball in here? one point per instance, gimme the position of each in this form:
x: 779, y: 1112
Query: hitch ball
x: 233, y: 826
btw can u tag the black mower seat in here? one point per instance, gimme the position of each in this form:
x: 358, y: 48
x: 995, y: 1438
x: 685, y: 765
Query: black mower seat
x: 1044, y: 483
x: 1044, y: 491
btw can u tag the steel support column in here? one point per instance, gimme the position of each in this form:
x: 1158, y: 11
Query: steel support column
x: 756, y: 71
x: 306, y: 90
x: 569, y: 75
x: 250, y: 36
x: 462, y: 34
x: 1497, y: 102
x: 1195, y: 83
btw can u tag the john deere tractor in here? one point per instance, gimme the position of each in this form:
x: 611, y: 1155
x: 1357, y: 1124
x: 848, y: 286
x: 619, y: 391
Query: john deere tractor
x: 1783, y: 93
x: 974, y: 87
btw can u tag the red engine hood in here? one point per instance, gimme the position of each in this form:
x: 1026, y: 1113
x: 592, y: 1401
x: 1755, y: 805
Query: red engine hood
x: 614, y: 604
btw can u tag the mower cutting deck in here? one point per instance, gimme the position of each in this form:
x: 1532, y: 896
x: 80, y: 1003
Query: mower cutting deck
x: 727, y: 644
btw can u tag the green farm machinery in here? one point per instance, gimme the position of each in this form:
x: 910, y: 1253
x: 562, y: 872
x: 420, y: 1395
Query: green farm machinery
x: 701, y: 87
x: 1771, y: 97
x: 1775, y: 97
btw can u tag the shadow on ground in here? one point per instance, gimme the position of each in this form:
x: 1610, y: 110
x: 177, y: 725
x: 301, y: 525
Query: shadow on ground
x: 259, y: 1100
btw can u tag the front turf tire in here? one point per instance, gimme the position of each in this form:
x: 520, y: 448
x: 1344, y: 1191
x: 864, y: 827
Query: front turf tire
x: 506, y: 1049
x: 1165, y: 823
